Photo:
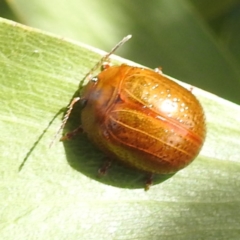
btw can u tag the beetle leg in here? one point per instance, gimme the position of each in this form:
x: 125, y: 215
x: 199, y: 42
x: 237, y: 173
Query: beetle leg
x: 106, y: 65
x: 71, y: 135
x: 158, y: 70
x: 149, y: 182
x: 103, y: 170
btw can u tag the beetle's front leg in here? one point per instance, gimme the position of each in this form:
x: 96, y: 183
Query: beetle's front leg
x: 72, y: 134
x: 149, y: 182
x: 102, y: 171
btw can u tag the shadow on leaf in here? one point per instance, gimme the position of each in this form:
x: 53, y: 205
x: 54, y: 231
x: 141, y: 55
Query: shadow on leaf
x: 84, y: 157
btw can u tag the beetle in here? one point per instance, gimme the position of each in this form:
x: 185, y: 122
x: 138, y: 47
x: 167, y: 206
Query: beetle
x: 142, y: 118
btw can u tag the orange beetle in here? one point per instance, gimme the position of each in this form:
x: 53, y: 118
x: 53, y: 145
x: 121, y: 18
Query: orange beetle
x: 142, y: 118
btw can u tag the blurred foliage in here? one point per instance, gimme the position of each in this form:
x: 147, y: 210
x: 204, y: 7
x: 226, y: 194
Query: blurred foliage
x: 194, y: 41
x: 6, y: 11
x: 223, y: 18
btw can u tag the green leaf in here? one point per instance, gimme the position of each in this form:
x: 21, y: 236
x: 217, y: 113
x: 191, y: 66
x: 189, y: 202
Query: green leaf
x: 57, y: 195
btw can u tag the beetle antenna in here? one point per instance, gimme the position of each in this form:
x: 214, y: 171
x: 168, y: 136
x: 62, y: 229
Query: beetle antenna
x: 70, y: 107
x: 64, y: 121
x: 104, y: 58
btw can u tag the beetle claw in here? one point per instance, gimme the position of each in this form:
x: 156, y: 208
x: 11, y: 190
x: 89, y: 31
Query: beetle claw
x: 158, y: 70
x: 71, y: 135
x: 149, y: 182
x: 106, y: 65
x: 104, y: 169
